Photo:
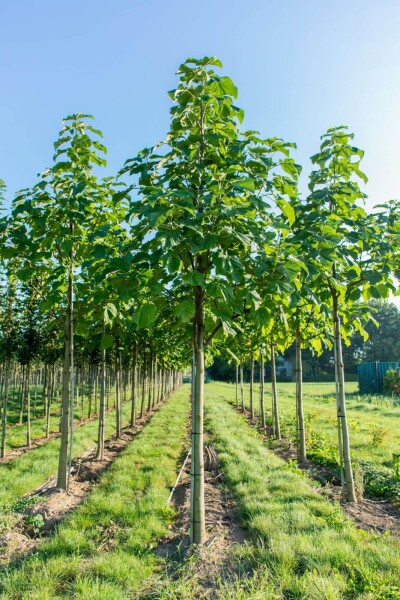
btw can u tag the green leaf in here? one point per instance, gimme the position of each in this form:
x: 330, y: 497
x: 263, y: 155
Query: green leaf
x: 185, y: 311
x: 106, y: 342
x: 288, y: 210
x: 195, y: 278
x: 174, y: 262
x: 82, y: 329
x: 146, y: 315
x: 244, y: 184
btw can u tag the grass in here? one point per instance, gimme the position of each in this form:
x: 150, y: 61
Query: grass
x: 301, y: 546
x: 102, y: 550
x: 26, y: 472
x: 16, y: 433
x: 304, y: 547
x: 374, y: 425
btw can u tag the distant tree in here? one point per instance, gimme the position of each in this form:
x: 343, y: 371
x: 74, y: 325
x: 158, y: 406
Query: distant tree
x: 384, y: 341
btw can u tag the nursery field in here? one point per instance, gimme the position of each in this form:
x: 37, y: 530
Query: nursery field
x: 86, y: 407
x: 374, y: 425
x: 294, y: 543
x: 118, y: 481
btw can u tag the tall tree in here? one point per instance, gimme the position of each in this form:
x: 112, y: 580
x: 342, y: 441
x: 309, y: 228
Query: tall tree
x: 50, y: 228
x: 204, y: 206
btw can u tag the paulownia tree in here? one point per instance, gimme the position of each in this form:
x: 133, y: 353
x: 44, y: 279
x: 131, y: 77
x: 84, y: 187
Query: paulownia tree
x: 342, y: 245
x: 50, y: 227
x: 202, y: 213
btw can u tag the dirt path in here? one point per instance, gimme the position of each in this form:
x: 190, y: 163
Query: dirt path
x: 370, y: 515
x: 214, y: 562
x: 47, y: 506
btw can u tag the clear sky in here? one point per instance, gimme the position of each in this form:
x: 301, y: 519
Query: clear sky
x: 301, y: 66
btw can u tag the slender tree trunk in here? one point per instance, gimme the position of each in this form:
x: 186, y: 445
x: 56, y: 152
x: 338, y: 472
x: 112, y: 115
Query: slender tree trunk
x: 22, y: 395
x: 277, y: 428
x: 143, y: 385
x: 96, y: 377
x: 63, y: 457
x: 28, y: 405
x: 44, y: 392
x: 197, y: 516
x: 117, y: 401
x: 133, y: 396
x: 49, y: 398
x: 299, y: 400
x: 241, y: 386
x: 348, y: 470
x: 5, y: 403
x: 237, y: 384
x: 90, y: 391
x: 262, y: 391
x: 102, y: 413
x: 252, y: 386
x: 150, y: 387
x: 62, y: 479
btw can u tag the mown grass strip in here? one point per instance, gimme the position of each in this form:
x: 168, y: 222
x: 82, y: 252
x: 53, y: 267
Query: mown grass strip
x: 102, y: 550
x: 374, y: 436
x: 26, y: 472
x: 304, y: 546
x: 16, y: 433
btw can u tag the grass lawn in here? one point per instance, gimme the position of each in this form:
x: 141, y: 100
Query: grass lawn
x: 16, y: 434
x: 374, y: 425
x: 26, y: 472
x: 304, y: 547
x: 102, y: 550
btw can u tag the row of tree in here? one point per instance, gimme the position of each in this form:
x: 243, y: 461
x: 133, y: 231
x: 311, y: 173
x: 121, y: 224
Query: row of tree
x: 201, y: 247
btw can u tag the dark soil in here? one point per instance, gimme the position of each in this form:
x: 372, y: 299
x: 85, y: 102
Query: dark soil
x: 215, y: 560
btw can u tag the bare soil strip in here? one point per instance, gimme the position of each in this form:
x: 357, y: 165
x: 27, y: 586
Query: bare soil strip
x: 214, y: 561
x: 369, y: 515
x: 54, y: 504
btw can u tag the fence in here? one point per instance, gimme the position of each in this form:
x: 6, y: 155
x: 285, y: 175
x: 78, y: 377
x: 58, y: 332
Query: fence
x: 371, y: 376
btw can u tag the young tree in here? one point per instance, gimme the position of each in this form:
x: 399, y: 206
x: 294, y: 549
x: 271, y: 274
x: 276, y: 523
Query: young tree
x: 204, y: 209
x: 343, y: 245
x: 50, y: 227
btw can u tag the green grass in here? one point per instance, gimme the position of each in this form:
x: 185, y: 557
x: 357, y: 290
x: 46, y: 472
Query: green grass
x: 304, y: 547
x: 26, y: 472
x: 371, y: 419
x: 103, y: 550
x: 16, y: 434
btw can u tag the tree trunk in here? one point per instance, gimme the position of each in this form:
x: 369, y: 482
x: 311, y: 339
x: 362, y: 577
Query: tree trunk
x: 241, y: 386
x: 117, y: 401
x: 237, y: 384
x: 277, y: 428
x: 44, y: 393
x: 143, y: 399
x: 197, y: 516
x: 262, y: 391
x: 252, y: 386
x: 299, y: 400
x: 102, y: 412
x: 348, y: 470
x: 150, y: 385
x: 63, y: 457
x: 28, y: 405
x: 133, y: 397
x: 5, y: 403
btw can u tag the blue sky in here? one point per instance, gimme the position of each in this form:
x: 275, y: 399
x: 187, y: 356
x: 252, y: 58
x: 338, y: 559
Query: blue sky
x: 301, y: 66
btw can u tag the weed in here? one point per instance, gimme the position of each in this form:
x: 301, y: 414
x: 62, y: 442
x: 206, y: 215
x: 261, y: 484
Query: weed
x: 20, y: 505
x: 35, y: 522
x: 378, y: 435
